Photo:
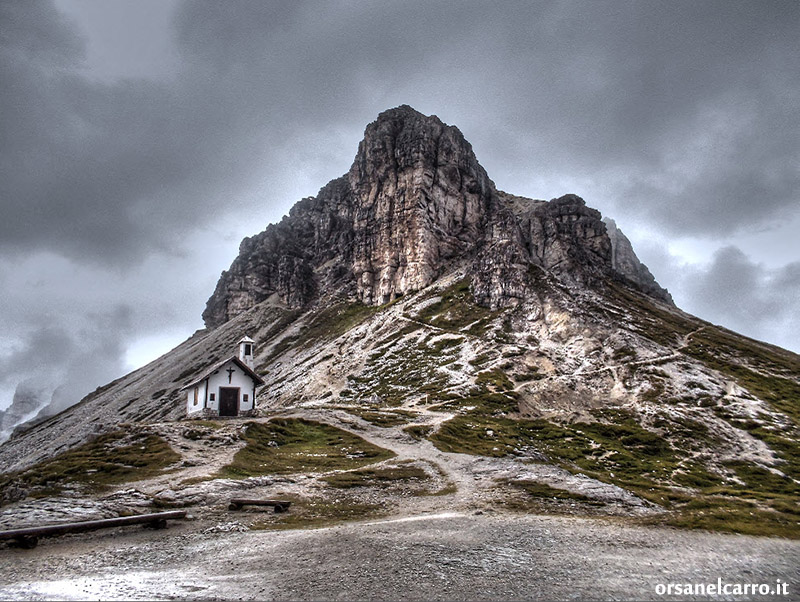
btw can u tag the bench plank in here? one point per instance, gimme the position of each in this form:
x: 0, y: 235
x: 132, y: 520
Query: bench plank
x: 29, y: 535
x: 279, y: 505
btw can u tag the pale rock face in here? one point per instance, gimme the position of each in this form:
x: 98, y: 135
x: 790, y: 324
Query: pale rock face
x: 420, y: 199
x: 625, y: 261
x: 414, y: 203
x: 563, y: 237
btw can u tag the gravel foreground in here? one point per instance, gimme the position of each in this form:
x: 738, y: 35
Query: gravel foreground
x: 445, y: 556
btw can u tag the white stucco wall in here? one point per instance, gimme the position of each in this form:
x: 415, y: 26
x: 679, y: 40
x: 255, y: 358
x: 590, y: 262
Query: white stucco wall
x: 238, y: 379
x: 191, y: 407
x: 218, y: 379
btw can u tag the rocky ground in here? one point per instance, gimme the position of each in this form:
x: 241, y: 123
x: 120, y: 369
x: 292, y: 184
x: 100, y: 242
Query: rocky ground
x: 451, y: 481
x: 436, y: 556
x: 458, y: 531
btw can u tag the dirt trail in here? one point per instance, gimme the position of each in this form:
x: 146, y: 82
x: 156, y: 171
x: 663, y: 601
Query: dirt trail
x: 474, y: 479
x: 613, y: 369
x: 459, y: 482
x: 201, y: 455
x: 456, y: 467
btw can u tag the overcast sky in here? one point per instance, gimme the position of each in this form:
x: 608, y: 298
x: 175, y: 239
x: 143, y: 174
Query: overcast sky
x: 140, y: 141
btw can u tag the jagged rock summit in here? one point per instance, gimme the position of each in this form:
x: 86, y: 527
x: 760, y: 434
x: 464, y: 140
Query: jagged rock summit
x: 415, y: 203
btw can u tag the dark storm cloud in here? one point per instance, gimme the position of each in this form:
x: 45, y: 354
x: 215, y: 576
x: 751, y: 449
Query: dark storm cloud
x: 107, y: 171
x: 689, y: 109
x: 735, y: 291
x: 682, y: 115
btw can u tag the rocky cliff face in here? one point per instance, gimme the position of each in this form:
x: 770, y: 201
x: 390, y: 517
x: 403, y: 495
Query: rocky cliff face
x: 625, y: 261
x: 414, y: 202
x: 414, y: 198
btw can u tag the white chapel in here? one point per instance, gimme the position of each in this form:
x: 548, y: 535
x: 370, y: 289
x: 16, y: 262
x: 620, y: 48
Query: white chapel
x: 226, y: 389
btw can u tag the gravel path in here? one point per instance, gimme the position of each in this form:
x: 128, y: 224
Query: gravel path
x: 449, y: 556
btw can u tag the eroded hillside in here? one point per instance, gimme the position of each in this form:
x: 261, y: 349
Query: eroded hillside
x: 429, y: 342
x: 592, y: 404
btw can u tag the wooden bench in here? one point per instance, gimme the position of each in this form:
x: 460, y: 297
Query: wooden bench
x: 28, y: 537
x: 279, y: 505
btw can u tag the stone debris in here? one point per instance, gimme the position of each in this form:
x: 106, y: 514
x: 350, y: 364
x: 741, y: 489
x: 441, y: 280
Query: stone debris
x: 231, y: 527
x: 72, y: 508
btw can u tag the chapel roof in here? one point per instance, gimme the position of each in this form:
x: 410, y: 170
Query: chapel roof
x: 247, y: 370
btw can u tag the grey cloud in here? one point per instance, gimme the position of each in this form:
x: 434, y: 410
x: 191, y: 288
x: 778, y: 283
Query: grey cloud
x: 63, y: 364
x: 108, y: 172
x: 68, y: 328
x: 34, y: 31
x: 749, y: 297
x: 736, y: 292
x: 683, y: 115
x: 605, y: 90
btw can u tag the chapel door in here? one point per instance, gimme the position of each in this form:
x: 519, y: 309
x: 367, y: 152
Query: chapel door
x: 228, y: 401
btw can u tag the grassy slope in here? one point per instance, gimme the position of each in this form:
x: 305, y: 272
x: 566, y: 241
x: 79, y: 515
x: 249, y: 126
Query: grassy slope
x: 294, y: 445
x: 110, y: 459
x: 618, y: 449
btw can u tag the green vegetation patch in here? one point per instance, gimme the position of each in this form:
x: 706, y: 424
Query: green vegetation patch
x: 295, y: 445
x: 481, y: 359
x: 635, y: 455
x: 334, y: 321
x: 768, y: 372
x: 622, y: 452
x: 392, y: 476
x: 284, y: 319
x: 760, y: 356
x: 657, y: 324
x: 731, y: 514
x: 531, y: 373
x: 480, y: 436
x: 686, y: 432
x: 781, y: 393
x: 759, y: 479
x: 401, y: 368
x: 624, y: 354
x: 323, y: 325
x: 110, y: 459
x: 456, y: 310
x: 786, y: 446
x: 538, y: 496
x: 419, y: 431
x: 496, y: 379
x: 281, y: 346
x: 482, y: 402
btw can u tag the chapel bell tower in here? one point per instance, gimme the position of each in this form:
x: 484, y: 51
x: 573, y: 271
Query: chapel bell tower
x: 247, y: 351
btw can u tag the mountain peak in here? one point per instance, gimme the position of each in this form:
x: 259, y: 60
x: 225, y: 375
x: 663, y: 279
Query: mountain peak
x: 414, y: 203
x: 402, y: 112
